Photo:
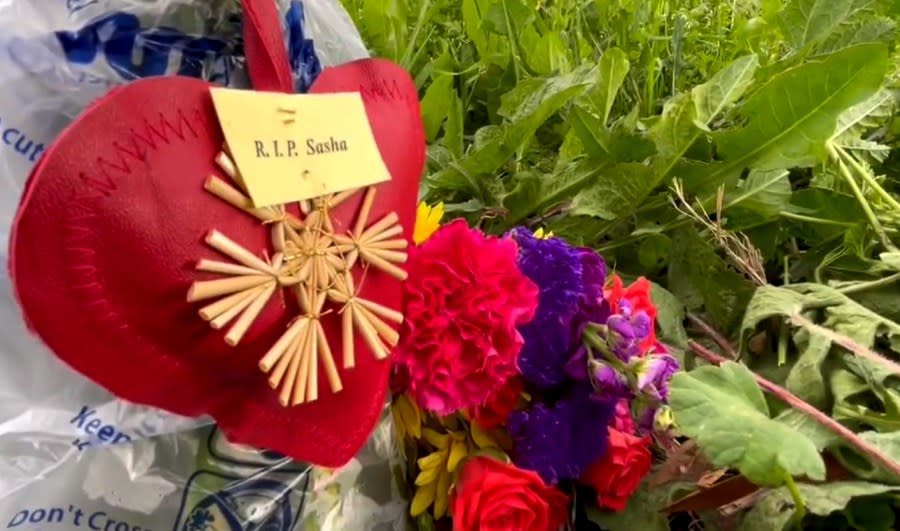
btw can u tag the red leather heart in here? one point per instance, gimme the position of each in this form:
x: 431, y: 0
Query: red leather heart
x: 112, y: 224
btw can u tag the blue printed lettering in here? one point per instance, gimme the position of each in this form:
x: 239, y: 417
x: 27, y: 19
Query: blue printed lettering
x: 92, y: 426
x: 134, y: 52
x: 52, y: 515
x: 99, y: 516
x: 106, y: 433
x: 82, y: 416
x: 96, y: 430
x: 20, y: 518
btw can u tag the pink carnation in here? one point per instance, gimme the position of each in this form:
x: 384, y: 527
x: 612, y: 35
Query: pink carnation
x: 464, y: 298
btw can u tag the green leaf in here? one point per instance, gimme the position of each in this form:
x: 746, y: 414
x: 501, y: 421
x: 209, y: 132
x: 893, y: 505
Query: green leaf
x: 758, y: 199
x: 774, y: 510
x: 536, y: 193
x: 526, y: 107
x: 615, y: 192
x: 724, y: 410
x: 702, y: 280
x: 613, y: 68
x: 643, y: 509
x: 806, y: 22
x: 803, y: 424
x: 434, y: 105
x: 887, y: 443
x: 723, y: 88
x: 686, y: 116
x: 669, y: 317
x: 795, y: 113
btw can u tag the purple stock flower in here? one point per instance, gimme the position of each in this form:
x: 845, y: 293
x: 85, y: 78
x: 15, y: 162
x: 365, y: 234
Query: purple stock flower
x: 560, y: 441
x: 609, y: 383
x: 627, y: 332
x: 653, y: 374
x: 571, y: 283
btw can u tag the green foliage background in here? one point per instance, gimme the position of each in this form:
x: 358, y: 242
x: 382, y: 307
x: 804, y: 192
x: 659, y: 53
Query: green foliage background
x: 579, y: 116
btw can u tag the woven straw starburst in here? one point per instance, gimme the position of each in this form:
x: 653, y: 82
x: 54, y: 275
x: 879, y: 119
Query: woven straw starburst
x: 312, y: 263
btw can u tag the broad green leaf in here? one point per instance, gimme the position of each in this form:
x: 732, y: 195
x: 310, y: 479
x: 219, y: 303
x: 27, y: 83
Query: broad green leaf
x: 806, y: 379
x: 792, y: 116
x: 536, y: 193
x: 615, y: 192
x: 758, y: 199
x: 724, y: 410
x: 699, y: 277
x: 612, y: 70
x: 879, y: 103
x: 845, y: 320
x: 642, y: 512
x: 887, y: 443
x: 670, y: 316
x: 773, y: 511
x: 591, y: 132
x: 434, y: 105
x: 723, y: 89
x: 526, y: 108
x: 803, y: 424
x: 685, y: 117
x: 806, y: 22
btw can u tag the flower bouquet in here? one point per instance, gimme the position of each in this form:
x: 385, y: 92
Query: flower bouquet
x: 527, y: 377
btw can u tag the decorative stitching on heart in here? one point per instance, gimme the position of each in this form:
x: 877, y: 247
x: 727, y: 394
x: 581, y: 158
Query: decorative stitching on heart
x: 313, y: 263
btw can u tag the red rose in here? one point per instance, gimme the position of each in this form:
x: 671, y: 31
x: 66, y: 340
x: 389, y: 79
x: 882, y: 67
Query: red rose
x: 499, y: 405
x: 464, y: 301
x: 618, y: 474
x: 633, y: 299
x: 495, y: 496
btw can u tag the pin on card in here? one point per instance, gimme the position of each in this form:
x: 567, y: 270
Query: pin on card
x: 294, y: 147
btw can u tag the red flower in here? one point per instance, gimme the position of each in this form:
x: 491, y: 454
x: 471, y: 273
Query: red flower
x: 618, y: 474
x: 495, y: 496
x: 499, y: 405
x: 631, y: 300
x: 465, y: 298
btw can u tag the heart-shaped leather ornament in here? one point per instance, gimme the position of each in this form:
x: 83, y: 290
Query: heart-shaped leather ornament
x: 105, y: 252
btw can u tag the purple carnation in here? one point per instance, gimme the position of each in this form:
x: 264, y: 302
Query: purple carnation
x: 571, y: 290
x: 560, y: 441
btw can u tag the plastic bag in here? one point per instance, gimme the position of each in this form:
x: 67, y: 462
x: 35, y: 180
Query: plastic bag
x: 56, y: 57
x: 199, y: 482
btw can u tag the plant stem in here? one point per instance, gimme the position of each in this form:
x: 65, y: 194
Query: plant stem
x: 867, y: 177
x: 864, y: 447
x: 799, y: 503
x: 713, y: 334
x: 867, y: 208
x: 845, y: 342
x: 872, y: 284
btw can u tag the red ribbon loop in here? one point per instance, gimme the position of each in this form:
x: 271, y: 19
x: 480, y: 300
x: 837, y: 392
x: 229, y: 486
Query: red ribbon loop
x: 267, y: 59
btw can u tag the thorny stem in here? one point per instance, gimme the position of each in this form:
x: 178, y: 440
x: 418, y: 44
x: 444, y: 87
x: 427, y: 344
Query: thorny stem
x: 867, y: 208
x: 865, y: 448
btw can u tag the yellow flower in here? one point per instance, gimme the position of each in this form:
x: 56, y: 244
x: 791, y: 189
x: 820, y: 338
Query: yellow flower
x: 407, y: 417
x: 541, y: 235
x: 436, y: 470
x: 428, y: 219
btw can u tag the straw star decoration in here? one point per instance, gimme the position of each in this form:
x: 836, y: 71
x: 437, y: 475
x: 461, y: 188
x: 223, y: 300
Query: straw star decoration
x: 312, y: 263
